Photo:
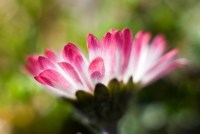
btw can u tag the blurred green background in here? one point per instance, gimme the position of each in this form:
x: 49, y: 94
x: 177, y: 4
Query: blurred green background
x: 169, y: 106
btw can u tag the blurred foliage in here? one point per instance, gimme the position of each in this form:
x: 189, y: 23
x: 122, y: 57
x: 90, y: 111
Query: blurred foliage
x: 169, y: 106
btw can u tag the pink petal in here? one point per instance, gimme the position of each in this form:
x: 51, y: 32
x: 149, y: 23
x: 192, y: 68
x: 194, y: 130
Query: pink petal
x: 163, y: 62
x: 96, y: 69
x: 54, y: 79
x: 117, y: 49
x: 158, y: 45
x: 163, y: 71
x: 128, y: 39
x: 164, y: 59
x: 141, y: 41
x: 140, y: 53
x: 72, y: 55
x: 69, y: 69
x: 51, y: 55
x: 106, y: 40
x: 94, y: 47
x: 156, y: 49
x: 109, y: 55
x: 40, y: 80
x: 117, y: 39
x: 123, y: 42
x: 45, y: 63
x: 33, y: 65
x: 117, y: 46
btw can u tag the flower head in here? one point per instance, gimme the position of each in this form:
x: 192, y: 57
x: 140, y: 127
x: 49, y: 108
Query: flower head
x: 118, y: 55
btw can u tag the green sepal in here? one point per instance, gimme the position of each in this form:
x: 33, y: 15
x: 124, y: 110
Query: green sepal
x: 107, y: 104
x: 83, y: 96
x: 102, y: 100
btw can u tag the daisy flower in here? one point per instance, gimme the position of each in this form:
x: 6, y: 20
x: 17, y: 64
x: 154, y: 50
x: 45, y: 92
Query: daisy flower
x: 118, y: 55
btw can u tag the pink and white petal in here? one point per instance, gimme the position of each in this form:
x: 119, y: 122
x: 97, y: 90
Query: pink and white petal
x: 156, y: 49
x: 106, y: 40
x: 130, y: 69
x: 109, y: 56
x: 117, y: 39
x: 158, y: 46
x: 162, y: 71
x: 96, y: 69
x: 70, y: 71
x: 141, y: 41
x: 108, y: 49
x: 40, y: 80
x: 128, y: 40
x: 54, y: 79
x: 30, y: 69
x: 170, y: 55
x: 122, y: 40
x: 33, y: 65
x: 141, y: 50
x: 56, y: 91
x: 163, y: 61
x: 96, y: 77
x: 51, y: 55
x: 72, y: 55
x: 117, y: 42
x: 46, y: 63
x: 152, y: 54
x: 141, y: 65
x: 94, y: 47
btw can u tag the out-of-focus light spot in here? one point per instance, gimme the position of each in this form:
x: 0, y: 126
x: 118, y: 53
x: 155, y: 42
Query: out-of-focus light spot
x: 154, y: 116
x: 5, y: 127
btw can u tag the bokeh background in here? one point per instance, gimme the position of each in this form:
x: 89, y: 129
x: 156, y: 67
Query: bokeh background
x: 168, y: 106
